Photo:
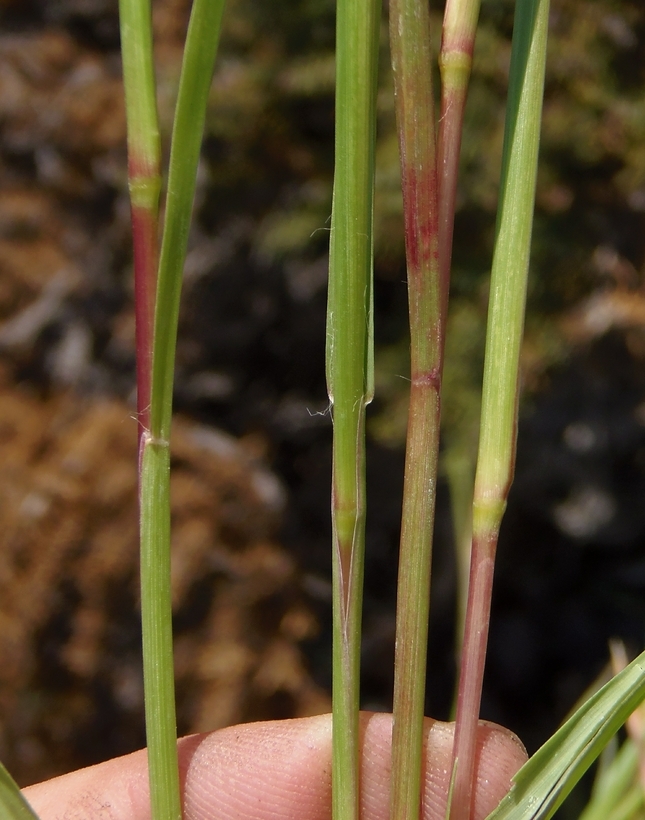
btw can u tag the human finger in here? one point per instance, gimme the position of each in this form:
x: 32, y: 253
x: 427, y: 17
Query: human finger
x: 279, y: 770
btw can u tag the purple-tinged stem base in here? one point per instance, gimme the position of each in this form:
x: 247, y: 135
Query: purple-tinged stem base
x: 482, y: 564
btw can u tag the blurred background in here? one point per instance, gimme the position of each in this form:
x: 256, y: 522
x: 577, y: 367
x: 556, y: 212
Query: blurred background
x: 252, y: 438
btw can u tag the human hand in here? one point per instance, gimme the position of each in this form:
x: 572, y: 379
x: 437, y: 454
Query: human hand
x: 279, y: 770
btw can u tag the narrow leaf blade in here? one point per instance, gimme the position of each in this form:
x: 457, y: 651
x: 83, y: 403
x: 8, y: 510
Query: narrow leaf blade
x: 13, y: 805
x: 546, y: 779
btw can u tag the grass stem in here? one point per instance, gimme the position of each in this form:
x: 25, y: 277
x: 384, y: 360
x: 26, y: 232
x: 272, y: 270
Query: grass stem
x: 190, y: 113
x: 498, y: 430
x: 412, y: 67
x: 455, y: 62
x: 156, y: 628
x: 350, y: 369
x: 144, y: 180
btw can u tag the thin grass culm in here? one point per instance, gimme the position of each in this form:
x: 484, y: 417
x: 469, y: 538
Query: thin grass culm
x: 455, y: 63
x: 498, y: 429
x: 412, y: 68
x: 429, y: 186
x: 429, y: 191
x: 156, y: 353
x: 144, y: 182
x: 349, y: 367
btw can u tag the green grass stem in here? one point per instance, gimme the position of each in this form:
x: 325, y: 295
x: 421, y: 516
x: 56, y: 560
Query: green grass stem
x: 144, y: 181
x: 349, y: 364
x: 156, y: 628
x: 498, y: 430
x: 197, y: 69
x: 412, y: 67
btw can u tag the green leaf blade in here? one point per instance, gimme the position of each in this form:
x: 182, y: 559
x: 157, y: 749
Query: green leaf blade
x: 548, y: 777
x: 190, y: 115
x: 13, y: 805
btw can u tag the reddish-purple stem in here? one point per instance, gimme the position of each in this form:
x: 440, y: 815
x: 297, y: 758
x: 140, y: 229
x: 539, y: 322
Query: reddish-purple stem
x: 144, y: 215
x: 473, y: 660
x: 144, y: 231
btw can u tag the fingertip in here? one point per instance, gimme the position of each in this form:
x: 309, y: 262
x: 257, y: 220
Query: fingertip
x: 282, y: 770
x: 500, y: 755
x: 272, y: 770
